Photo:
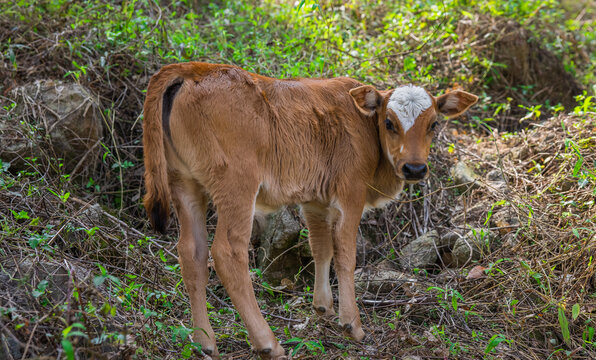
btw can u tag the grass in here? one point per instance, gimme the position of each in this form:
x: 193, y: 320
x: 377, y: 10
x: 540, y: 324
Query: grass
x: 83, y: 277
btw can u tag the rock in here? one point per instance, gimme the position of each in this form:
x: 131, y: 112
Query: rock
x: 505, y: 220
x: 9, y: 348
x: 64, y: 116
x: 56, y: 274
x: 464, y: 177
x: 362, y: 246
x: 447, y: 240
x: 495, y: 175
x: 420, y: 253
x: 470, y: 247
x: 380, y: 280
x: 520, y: 153
x: 93, y: 214
x: 280, y: 252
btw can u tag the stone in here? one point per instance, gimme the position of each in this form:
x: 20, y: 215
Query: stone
x: 495, y: 175
x: 505, y: 220
x: 63, y: 115
x: 520, y: 153
x: 464, y: 177
x: 381, y: 280
x: 57, y: 275
x: 362, y: 246
x: 447, y: 240
x: 9, y: 348
x: 470, y: 247
x: 421, y: 253
x: 281, y: 247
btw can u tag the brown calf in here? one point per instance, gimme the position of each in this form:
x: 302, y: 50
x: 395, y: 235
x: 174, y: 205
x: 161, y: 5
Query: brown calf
x: 252, y: 143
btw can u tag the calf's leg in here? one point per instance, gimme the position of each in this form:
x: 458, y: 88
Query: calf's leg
x: 190, y: 203
x: 344, y: 232
x: 235, y: 211
x: 321, y: 246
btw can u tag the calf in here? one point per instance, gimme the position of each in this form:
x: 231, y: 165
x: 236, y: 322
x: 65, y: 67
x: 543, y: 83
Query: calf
x: 252, y: 143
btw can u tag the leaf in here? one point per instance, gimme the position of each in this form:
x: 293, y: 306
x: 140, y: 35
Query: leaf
x: 409, y: 64
x: 454, y: 303
x: 493, y: 342
x: 575, y: 311
x: 477, y: 272
x: 68, y: 349
x: 578, y: 166
x: 98, y: 280
x: 564, y: 324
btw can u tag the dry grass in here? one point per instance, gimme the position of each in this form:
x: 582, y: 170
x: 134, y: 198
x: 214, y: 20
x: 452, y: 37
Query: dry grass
x: 542, y: 263
x: 120, y: 284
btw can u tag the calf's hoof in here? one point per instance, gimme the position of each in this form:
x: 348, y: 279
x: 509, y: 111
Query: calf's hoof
x: 324, y: 311
x: 355, y: 333
x: 211, y: 352
x: 277, y: 353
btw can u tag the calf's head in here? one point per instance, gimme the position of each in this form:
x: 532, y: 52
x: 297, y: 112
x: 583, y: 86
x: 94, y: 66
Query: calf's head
x: 407, y: 118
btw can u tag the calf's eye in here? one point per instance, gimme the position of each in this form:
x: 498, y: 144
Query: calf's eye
x: 434, y: 125
x: 389, y: 124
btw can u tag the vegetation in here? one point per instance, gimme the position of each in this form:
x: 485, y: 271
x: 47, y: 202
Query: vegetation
x: 82, y: 276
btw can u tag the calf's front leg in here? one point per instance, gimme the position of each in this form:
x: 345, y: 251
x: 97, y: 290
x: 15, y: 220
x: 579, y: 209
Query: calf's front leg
x: 344, y: 233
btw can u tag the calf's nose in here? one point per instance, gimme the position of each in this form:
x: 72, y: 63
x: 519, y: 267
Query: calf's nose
x: 414, y: 171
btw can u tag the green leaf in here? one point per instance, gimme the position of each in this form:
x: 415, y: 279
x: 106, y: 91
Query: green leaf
x: 578, y: 166
x: 493, y: 342
x: 575, y: 311
x: 68, y: 349
x: 409, y: 64
x: 98, y: 280
x: 564, y: 324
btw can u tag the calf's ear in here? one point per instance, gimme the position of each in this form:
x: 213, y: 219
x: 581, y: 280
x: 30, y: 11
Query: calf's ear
x: 455, y: 103
x: 367, y: 99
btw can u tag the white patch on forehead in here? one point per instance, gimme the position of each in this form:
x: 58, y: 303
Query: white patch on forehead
x: 408, y: 102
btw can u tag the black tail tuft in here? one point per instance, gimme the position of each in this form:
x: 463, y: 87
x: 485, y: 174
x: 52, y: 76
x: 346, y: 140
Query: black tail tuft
x: 159, y: 218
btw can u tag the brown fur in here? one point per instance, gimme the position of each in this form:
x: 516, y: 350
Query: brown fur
x: 252, y: 143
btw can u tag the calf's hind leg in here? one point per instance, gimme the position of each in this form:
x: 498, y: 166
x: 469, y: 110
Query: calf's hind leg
x: 190, y: 203
x: 235, y: 210
x: 321, y: 246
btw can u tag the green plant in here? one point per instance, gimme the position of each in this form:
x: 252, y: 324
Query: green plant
x: 314, y: 347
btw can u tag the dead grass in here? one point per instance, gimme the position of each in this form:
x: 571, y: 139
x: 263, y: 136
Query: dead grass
x: 540, y: 264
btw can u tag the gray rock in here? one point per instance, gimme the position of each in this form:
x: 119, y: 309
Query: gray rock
x: 381, y: 280
x: 280, y: 252
x: 505, y: 220
x: 363, y: 244
x: 464, y: 177
x: 93, y: 214
x: 65, y: 115
x: 495, y: 175
x: 471, y: 246
x: 9, y: 348
x: 447, y: 240
x: 57, y: 275
x: 420, y: 253
x: 520, y: 153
